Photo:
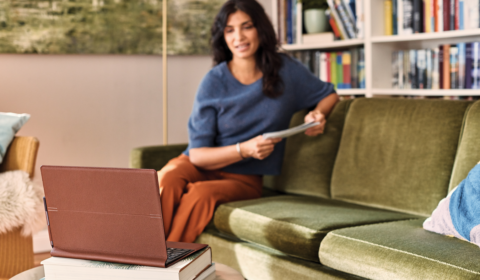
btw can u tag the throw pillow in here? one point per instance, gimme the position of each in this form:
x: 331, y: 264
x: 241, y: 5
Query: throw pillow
x: 458, y: 214
x: 10, y: 123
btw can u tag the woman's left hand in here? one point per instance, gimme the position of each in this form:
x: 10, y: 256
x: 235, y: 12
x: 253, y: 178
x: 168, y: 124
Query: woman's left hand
x: 315, y: 116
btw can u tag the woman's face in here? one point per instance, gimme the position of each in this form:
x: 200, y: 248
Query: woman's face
x: 241, y: 35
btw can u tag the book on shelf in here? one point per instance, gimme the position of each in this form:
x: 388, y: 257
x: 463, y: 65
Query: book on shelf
x: 448, y: 66
x: 196, y: 267
x: 317, y: 38
x: 425, y: 16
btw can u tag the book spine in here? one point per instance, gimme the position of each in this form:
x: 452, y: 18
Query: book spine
x: 468, y: 65
x: 345, y: 20
x: 350, y: 13
x: 461, y: 65
x: 446, y: 66
x: 289, y: 22
x: 354, y: 68
x: 440, y: 67
x: 323, y: 67
x: 409, y: 15
x: 294, y: 21
x: 428, y: 75
x: 329, y: 67
x: 451, y: 19
x: 453, y: 67
x: 361, y: 68
x: 474, y: 14
x: 417, y: 16
x: 421, y: 69
x: 461, y: 15
x: 393, y: 16
x: 413, y: 68
x: 401, y: 74
x: 275, y: 17
x: 316, y: 65
x: 476, y: 64
x: 446, y: 15
x: 400, y: 4
x: 435, y: 70
x: 406, y: 69
x: 360, y: 18
x: 457, y: 15
x: 426, y: 16
x: 334, y: 26
x: 395, y: 70
x: 433, y: 6
x: 387, y: 7
x: 299, y: 23
x: 339, y: 71
x: 333, y: 69
x: 439, y: 16
x: 347, y: 63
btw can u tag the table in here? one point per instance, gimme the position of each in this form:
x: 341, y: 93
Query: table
x: 222, y: 272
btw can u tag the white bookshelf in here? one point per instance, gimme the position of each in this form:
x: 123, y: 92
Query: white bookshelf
x: 379, y: 48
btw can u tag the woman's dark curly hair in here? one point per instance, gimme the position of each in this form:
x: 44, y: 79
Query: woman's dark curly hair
x: 267, y: 57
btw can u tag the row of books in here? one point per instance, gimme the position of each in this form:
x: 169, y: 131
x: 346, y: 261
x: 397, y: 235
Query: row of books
x: 344, y: 69
x: 446, y: 67
x: 196, y: 267
x: 345, y: 17
x: 418, y: 16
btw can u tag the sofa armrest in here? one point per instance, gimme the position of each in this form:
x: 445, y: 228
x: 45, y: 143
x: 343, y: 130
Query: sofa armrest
x: 155, y: 157
x: 21, y: 155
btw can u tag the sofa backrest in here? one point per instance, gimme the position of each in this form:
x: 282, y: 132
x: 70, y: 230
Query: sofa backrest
x: 308, y: 161
x: 398, y: 154
x: 468, y: 154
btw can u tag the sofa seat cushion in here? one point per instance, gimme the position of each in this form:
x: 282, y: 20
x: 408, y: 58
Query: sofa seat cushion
x: 399, y: 250
x: 294, y: 225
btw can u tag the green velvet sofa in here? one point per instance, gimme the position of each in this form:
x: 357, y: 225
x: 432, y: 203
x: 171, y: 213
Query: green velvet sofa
x: 350, y: 203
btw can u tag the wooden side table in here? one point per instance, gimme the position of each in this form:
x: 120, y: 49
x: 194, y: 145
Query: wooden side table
x: 222, y: 272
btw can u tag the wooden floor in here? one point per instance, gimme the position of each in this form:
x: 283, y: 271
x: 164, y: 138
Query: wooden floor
x: 37, y: 258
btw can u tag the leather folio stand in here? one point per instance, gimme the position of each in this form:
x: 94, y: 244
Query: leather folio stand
x: 107, y: 214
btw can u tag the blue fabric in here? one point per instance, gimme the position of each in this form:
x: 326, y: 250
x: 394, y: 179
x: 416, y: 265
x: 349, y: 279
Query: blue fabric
x: 465, y: 204
x: 226, y: 111
x: 10, y: 123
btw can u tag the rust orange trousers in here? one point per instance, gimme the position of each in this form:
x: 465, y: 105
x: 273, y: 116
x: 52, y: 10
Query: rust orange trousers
x: 189, y: 196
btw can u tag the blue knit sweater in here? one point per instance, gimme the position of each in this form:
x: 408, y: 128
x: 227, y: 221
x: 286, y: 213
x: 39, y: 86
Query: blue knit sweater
x: 226, y: 111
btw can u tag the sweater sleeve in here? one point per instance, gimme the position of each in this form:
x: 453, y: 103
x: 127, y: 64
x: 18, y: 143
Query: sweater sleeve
x: 202, y: 125
x: 309, y: 89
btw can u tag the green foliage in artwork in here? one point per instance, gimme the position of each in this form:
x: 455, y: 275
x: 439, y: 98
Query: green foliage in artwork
x: 105, y: 26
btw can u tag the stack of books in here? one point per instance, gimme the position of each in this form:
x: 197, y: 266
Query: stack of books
x: 344, y: 16
x: 446, y: 67
x: 418, y: 16
x: 198, y: 266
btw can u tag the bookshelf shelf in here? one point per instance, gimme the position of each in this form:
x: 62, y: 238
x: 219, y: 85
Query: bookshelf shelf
x: 427, y: 92
x: 353, y: 91
x: 328, y: 45
x: 427, y: 36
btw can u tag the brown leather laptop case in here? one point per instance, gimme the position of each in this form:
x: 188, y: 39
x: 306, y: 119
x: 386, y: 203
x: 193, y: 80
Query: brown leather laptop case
x: 107, y: 214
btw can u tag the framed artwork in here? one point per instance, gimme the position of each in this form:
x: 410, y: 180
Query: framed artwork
x: 105, y: 26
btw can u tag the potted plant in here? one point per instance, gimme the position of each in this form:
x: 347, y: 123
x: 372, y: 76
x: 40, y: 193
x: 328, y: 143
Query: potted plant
x: 314, y: 15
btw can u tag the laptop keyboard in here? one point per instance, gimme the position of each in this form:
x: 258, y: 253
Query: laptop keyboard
x: 174, y: 254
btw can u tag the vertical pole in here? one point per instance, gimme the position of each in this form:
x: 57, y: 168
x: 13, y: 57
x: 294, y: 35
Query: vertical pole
x: 164, y: 59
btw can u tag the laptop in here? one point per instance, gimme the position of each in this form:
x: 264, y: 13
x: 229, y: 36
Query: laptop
x: 108, y: 214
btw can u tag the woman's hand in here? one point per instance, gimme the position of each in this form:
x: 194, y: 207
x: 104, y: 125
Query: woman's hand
x: 258, y: 147
x: 315, y: 116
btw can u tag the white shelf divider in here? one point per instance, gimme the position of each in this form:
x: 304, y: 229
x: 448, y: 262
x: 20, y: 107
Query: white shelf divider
x: 327, y: 45
x: 427, y: 36
x: 352, y: 91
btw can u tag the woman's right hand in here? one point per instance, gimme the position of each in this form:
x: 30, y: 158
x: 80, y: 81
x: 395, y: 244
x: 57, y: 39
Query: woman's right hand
x: 258, y: 147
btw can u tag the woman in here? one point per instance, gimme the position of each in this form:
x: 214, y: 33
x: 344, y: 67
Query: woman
x: 252, y: 90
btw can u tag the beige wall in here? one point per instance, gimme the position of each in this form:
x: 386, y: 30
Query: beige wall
x: 92, y: 110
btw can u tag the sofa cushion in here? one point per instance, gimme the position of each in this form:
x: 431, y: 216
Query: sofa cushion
x: 308, y: 162
x: 398, y: 154
x: 399, y: 250
x: 294, y: 225
x: 469, y: 148
x: 257, y: 263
